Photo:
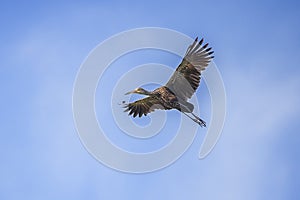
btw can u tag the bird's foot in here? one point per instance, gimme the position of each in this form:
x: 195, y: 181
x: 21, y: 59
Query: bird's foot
x: 200, y: 122
x: 197, y: 120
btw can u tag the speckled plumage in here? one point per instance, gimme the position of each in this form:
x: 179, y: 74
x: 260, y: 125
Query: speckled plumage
x: 181, y: 86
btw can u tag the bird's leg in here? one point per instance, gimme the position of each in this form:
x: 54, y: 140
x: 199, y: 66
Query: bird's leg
x: 203, y: 123
x: 198, y: 121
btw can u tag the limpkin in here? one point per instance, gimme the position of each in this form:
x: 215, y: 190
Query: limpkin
x: 181, y: 86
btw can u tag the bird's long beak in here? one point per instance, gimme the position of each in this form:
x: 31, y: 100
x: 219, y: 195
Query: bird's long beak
x: 130, y: 92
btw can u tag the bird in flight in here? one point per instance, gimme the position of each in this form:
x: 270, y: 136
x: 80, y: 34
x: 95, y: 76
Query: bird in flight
x: 181, y: 86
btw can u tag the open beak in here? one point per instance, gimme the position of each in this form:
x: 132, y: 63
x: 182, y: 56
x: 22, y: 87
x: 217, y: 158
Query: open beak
x: 129, y: 92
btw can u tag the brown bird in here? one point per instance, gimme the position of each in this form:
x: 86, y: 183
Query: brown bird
x: 181, y: 86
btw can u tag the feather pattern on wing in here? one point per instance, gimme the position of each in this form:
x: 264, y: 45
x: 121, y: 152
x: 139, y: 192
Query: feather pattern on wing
x: 143, y: 106
x: 186, y: 79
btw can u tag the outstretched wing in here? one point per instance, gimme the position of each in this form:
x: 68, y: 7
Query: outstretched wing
x: 185, y: 80
x: 143, y: 106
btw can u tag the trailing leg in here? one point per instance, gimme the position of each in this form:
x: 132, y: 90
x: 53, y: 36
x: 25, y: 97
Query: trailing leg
x: 197, y: 120
x: 200, y: 120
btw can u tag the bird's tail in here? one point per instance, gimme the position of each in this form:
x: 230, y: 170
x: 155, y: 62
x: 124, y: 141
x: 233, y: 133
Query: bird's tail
x: 186, y: 107
x: 190, y: 106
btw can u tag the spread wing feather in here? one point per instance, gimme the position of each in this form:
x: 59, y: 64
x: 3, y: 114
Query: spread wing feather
x: 143, y: 106
x: 186, y: 79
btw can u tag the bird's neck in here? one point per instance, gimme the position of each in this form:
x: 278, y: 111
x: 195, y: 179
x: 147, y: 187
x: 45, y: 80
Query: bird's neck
x: 148, y: 93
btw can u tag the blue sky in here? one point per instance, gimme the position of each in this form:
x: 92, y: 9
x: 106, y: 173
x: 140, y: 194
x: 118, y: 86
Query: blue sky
x: 256, y: 49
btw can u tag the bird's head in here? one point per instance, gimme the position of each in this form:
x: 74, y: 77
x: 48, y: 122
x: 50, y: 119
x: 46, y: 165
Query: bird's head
x: 138, y: 91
